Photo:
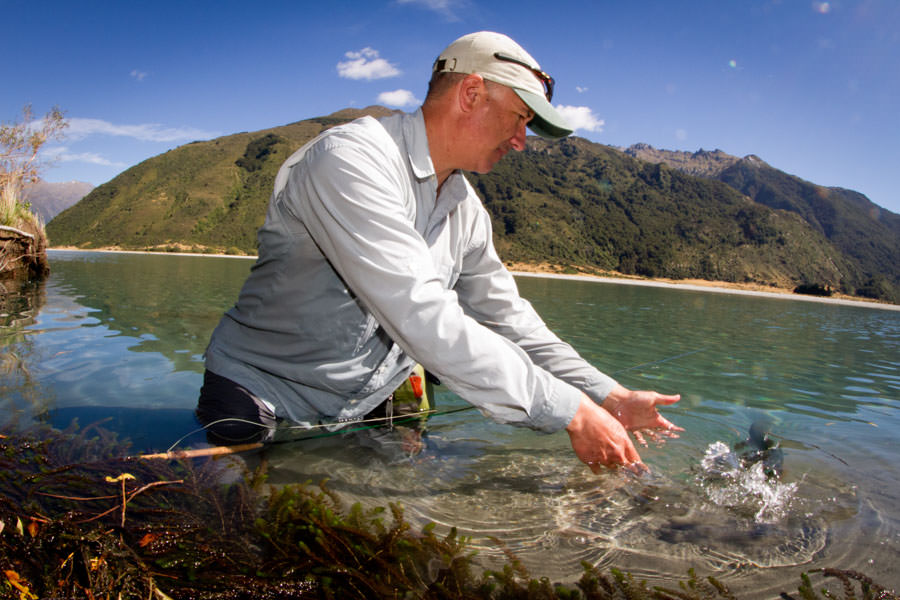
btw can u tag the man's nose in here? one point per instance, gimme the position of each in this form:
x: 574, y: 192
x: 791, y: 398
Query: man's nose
x: 518, y: 140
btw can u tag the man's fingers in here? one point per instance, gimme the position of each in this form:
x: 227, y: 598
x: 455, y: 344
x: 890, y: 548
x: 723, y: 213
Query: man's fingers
x: 665, y: 426
x: 638, y: 468
x: 633, y: 460
x: 667, y: 399
x: 668, y: 426
x: 639, y: 436
x: 621, y: 455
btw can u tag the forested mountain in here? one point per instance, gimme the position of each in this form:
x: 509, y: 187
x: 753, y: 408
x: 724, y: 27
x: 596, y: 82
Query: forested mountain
x: 867, y: 234
x: 571, y: 203
x: 579, y: 203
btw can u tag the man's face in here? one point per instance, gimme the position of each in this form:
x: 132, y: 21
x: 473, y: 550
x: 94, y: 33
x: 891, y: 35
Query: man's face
x: 501, y: 127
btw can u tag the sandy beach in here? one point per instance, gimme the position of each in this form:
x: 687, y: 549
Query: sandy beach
x: 548, y: 271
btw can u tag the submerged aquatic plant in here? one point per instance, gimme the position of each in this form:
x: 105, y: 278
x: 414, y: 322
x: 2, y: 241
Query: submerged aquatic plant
x: 869, y: 590
x: 78, y: 520
x: 358, y: 552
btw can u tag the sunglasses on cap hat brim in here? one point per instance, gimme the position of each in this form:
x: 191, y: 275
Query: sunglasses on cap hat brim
x: 544, y: 78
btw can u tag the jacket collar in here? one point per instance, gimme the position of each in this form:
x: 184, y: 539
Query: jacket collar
x: 417, y: 145
x: 408, y: 130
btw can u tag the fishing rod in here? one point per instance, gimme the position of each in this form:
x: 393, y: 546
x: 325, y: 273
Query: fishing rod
x: 367, y: 424
x: 172, y: 454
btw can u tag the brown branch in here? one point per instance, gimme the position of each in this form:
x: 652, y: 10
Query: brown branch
x: 213, y: 451
x: 75, y: 498
x: 128, y: 499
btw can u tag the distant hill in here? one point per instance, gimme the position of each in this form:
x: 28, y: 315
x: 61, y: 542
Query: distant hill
x: 207, y: 195
x: 571, y: 203
x: 866, y: 233
x: 703, y: 163
x: 49, y: 199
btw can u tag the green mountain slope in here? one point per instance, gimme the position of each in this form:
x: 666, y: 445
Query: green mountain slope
x: 205, y: 195
x: 570, y: 203
x: 578, y: 203
x: 865, y: 233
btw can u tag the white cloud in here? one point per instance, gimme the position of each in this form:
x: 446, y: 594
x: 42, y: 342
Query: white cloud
x: 449, y: 9
x: 62, y: 154
x: 366, y: 64
x: 146, y: 132
x: 580, y: 89
x: 139, y: 75
x: 581, y: 117
x: 398, y: 98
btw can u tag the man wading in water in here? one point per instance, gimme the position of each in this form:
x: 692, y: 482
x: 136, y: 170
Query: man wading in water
x: 376, y: 254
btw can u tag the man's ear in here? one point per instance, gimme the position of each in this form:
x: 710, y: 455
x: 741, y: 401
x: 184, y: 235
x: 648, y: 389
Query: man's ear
x: 470, y: 91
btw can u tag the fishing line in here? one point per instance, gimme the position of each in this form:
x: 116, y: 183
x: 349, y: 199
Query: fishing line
x: 807, y: 444
x: 659, y: 362
x: 366, y: 423
x: 369, y: 424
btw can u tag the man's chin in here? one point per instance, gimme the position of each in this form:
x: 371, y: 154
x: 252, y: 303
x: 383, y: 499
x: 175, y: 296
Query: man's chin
x: 484, y: 169
x: 491, y: 164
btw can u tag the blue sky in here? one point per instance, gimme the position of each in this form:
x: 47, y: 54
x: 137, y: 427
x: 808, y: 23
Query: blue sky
x: 811, y: 87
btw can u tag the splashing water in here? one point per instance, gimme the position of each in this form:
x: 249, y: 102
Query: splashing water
x: 729, y: 484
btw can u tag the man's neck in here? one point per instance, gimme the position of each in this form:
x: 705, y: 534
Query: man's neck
x: 438, y: 143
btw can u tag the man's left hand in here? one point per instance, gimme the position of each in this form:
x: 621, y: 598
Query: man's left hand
x: 637, y: 412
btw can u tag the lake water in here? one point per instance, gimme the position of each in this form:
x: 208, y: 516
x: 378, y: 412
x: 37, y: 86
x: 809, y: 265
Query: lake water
x: 122, y: 335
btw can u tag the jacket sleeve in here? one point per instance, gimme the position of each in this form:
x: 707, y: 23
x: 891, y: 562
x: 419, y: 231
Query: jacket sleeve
x: 489, y: 294
x: 355, y: 199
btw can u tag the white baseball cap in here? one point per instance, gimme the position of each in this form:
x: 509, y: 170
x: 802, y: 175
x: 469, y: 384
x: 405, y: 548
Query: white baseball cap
x: 498, y: 58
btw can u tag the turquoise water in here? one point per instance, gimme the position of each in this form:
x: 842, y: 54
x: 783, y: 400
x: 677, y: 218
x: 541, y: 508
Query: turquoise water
x: 122, y: 335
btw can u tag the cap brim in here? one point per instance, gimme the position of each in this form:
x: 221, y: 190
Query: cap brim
x: 547, y: 122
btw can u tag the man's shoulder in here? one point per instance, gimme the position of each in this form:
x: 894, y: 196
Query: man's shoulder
x: 364, y: 129
x: 357, y: 139
x: 362, y: 140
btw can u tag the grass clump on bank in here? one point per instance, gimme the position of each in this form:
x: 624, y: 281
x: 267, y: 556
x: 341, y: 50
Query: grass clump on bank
x: 23, y: 241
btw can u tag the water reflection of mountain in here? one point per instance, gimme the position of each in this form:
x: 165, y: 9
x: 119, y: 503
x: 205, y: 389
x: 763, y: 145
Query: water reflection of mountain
x: 169, y: 304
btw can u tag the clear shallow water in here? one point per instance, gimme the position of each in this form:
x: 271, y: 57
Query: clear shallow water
x: 122, y: 335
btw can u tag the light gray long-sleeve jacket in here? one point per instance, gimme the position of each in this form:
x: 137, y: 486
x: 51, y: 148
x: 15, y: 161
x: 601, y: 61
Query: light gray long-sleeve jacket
x: 363, y: 270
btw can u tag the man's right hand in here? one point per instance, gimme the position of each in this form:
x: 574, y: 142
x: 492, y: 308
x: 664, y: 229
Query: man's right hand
x: 600, y: 440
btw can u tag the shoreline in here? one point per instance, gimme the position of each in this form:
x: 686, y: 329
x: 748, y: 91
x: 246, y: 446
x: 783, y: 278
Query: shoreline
x: 546, y: 271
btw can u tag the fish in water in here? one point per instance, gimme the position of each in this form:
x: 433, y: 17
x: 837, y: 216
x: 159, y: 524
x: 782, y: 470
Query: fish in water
x: 740, y: 499
x: 760, y: 448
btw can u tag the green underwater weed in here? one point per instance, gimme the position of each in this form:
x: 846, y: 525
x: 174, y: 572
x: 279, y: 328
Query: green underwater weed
x: 79, y: 521
x: 868, y: 589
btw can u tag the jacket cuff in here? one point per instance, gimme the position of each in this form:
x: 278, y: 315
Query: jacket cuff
x: 554, y: 413
x: 598, y: 389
